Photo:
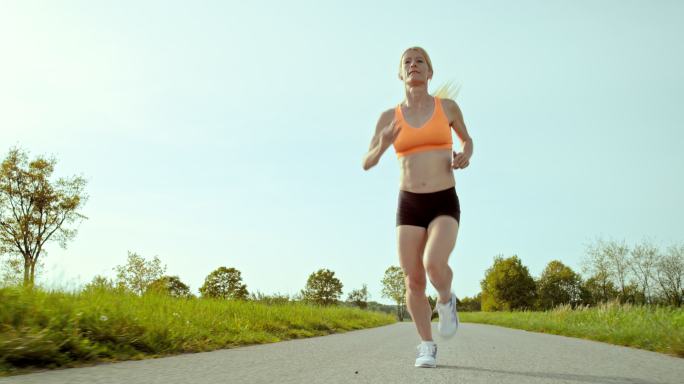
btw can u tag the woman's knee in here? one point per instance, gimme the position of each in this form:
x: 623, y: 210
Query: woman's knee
x: 435, y: 268
x: 415, y: 282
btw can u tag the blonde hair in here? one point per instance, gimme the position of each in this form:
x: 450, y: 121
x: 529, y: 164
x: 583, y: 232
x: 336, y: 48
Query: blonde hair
x: 448, y: 90
x: 422, y: 52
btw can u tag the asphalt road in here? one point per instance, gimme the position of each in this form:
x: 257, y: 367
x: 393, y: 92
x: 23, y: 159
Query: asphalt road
x: 477, y: 354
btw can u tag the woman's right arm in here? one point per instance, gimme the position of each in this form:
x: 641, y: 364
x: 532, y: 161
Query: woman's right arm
x: 385, y: 132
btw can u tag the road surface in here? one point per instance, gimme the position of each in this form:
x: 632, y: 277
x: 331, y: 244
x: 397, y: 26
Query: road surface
x: 477, y: 354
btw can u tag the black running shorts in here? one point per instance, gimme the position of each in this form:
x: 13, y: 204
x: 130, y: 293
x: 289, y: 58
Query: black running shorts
x: 420, y: 209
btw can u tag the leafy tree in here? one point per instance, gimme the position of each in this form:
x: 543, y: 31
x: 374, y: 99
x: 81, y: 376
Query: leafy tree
x: 359, y: 297
x: 617, y: 254
x: 670, y: 274
x: 224, y: 283
x: 598, y: 289
x: 102, y: 283
x: 277, y: 298
x: 35, y: 209
x: 11, y: 263
x: 138, y: 273
x: 394, y: 288
x: 507, y: 286
x: 643, y: 260
x: 12, y: 268
x: 322, y: 287
x: 298, y: 297
x: 597, y: 266
x: 170, y: 285
x: 469, y: 304
x: 432, y: 300
x: 609, y: 259
x: 558, y: 285
x: 633, y: 294
x: 643, y: 274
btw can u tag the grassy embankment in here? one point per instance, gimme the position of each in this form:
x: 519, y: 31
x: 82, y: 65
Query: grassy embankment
x: 53, y: 329
x: 659, y: 329
x: 58, y: 329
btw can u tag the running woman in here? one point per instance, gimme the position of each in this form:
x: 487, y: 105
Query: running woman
x: 428, y: 212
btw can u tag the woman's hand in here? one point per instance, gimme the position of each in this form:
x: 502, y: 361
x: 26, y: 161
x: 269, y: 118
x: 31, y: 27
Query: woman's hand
x: 459, y: 160
x: 389, y: 134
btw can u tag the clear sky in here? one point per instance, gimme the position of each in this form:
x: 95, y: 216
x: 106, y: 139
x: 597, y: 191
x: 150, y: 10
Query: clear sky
x: 231, y: 133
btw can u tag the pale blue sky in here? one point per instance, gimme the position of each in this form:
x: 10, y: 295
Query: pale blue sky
x: 231, y: 133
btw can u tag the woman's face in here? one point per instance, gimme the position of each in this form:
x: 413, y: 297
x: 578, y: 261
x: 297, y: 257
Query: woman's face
x: 414, y: 68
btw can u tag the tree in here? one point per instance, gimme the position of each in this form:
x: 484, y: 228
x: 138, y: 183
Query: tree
x: 609, y: 259
x: 12, y: 268
x: 643, y: 260
x: 558, y: 285
x: 598, y: 289
x: 633, y: 293
x: 11, y: 263
x: 670, y: 273
x: 224, y: 283
x: 35, y: 209
x: 138, y: 273
x: 394, y: 288
x: 171, y: 286
x: 617, y: 254
x: 473, y: 304
x: 276, y: 298
x: 507, y: 285
x: 595, y: 264
x: 359, y: 297
x: 322, y: 287
x: 432, y: 300
x: 102, y: 283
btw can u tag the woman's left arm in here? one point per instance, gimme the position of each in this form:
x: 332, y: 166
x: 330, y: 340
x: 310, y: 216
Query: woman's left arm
x: 462, y: 159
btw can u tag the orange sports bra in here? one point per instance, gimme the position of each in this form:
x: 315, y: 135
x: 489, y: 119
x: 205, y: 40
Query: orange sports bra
x: 434, y: 134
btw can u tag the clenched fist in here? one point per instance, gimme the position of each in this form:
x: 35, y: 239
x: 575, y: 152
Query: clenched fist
x: 389, y: 134
x: 459, y: 160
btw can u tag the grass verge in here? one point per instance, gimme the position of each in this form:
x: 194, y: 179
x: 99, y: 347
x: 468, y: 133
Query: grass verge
x: 658, y: 329
x: 57, y: 329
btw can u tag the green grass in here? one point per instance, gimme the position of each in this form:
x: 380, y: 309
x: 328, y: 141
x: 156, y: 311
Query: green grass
x: 659, y: 329
x: 59, y: 329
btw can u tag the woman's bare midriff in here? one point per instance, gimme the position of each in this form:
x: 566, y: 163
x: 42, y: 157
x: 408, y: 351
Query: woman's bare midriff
x: 425, y: 172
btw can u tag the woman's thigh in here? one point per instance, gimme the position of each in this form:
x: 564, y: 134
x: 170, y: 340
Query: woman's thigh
x: 440, y: 241
x: 411, y: 244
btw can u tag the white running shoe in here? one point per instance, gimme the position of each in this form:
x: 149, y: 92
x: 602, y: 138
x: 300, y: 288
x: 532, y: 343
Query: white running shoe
x: 448, y: 317
x: 427, y: 355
